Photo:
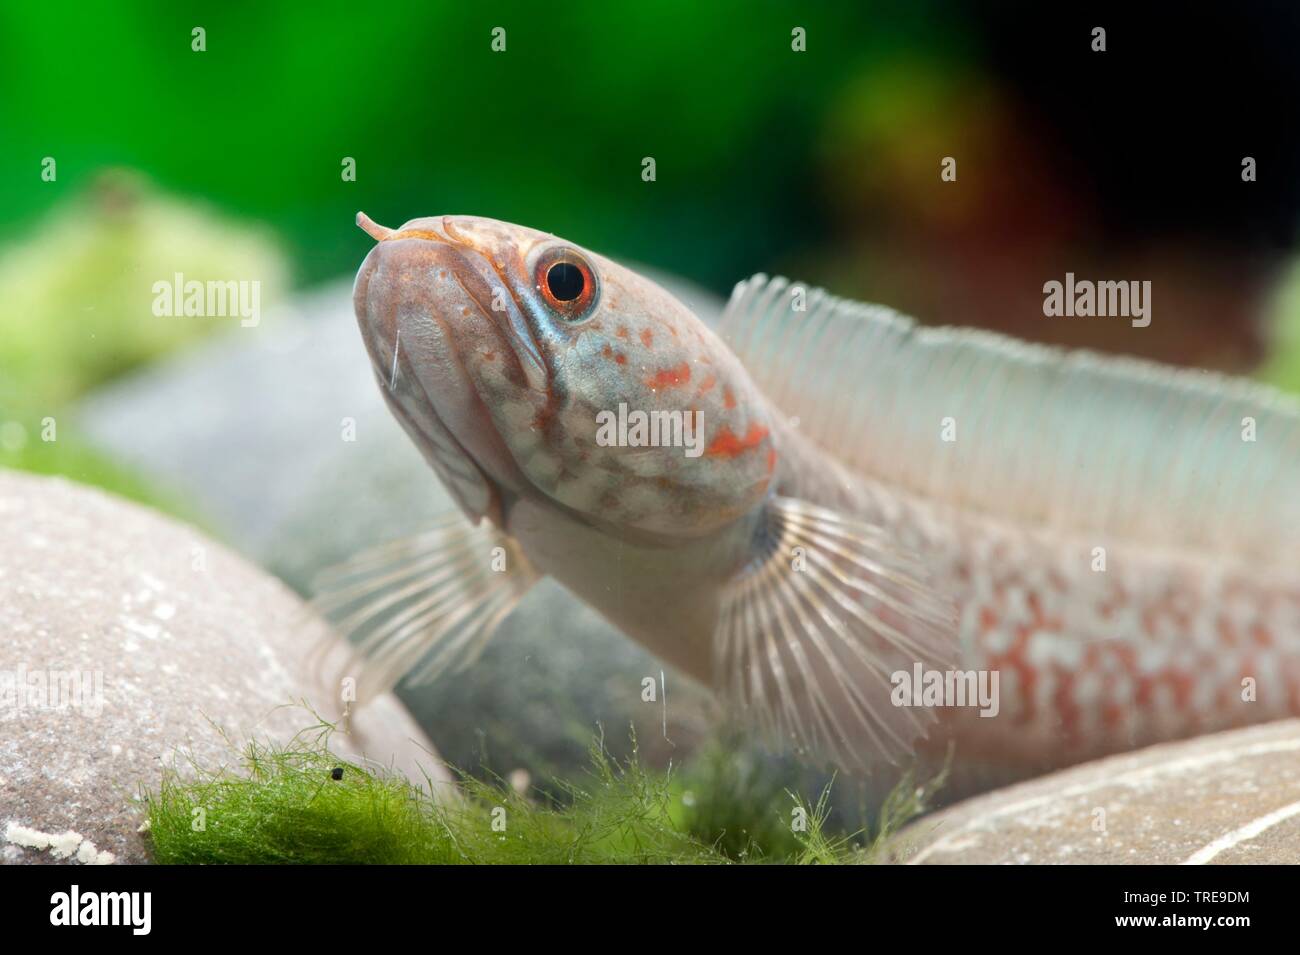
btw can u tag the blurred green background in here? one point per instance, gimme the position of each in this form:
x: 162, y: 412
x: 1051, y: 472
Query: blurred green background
x: 227, y: 162
x: 823, y: 164
x: 551, y: 132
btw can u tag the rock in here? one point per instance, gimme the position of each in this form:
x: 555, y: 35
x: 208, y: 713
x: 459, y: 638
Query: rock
x: 1227, y: 798
x: 151, y: 637
x: 255, y: 427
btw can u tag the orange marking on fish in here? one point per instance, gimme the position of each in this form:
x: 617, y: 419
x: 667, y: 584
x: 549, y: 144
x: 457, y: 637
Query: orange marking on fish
x: 728, y: 398
x: 647, y: 337
x: 413, y: 234
x: 620, y: 359
x: 725, y: 444
x: 988, y: 619
x: 670, y: 377
x: 1066, y: 708
x: 546, y: 413
x: 621, y: 333
x: 707, y: 385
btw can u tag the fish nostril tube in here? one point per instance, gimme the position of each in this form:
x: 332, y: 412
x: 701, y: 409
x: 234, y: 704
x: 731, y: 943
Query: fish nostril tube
x: 372, y: 228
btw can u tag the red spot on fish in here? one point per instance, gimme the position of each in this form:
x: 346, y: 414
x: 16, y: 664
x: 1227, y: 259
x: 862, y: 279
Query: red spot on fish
x: 771, y: 460
x: 621, y: 359
x: 621, y: 333
x: 707, y: 385
x: 728, y: 398
x: 609, y: 353
x: 1227, y: 632
x: 546, y: 414
x: 988, y: 619
x: 725, y: 444
x: 670, y: 377
x: 647, y: 337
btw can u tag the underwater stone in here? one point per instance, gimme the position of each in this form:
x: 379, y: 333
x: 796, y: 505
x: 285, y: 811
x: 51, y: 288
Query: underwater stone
x: 1230, y: 797
x: 128, y: 639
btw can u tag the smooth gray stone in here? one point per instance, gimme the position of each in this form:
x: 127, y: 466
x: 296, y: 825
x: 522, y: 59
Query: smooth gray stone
x: 173, y: 637
x: 1226, y: 798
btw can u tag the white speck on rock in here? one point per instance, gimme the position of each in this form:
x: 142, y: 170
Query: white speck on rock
x: 89, y: 855
x: 27, y: 838
x: 150, y: 631
x: 153, y: 583
x: 61, y: 845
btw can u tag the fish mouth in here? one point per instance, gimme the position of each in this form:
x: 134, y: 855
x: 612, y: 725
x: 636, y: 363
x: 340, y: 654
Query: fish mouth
x: 424, y: 305
x: 475, y: 269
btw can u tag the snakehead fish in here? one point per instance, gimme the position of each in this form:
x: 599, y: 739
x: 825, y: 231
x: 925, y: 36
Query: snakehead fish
x: 1115, y: 540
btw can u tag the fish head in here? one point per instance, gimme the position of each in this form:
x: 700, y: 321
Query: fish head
x: 528, y: 365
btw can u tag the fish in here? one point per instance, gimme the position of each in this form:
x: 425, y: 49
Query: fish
x: 891, y: 539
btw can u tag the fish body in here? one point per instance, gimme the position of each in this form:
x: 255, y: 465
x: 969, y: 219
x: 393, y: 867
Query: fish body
x: 871, y: 503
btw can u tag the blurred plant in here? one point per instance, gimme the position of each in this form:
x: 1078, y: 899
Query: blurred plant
x: 1283, y: 366
x: 76, y: 298
x: 76, y: 310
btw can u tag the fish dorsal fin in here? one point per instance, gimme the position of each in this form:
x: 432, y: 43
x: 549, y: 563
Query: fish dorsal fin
x: 1042, y: 437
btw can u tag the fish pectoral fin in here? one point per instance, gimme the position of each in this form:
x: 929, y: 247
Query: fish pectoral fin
x: 812, y: 630
x: 420, y: 605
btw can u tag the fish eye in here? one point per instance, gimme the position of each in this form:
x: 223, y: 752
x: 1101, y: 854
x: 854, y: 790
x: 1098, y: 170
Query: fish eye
x: 567, y: 283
